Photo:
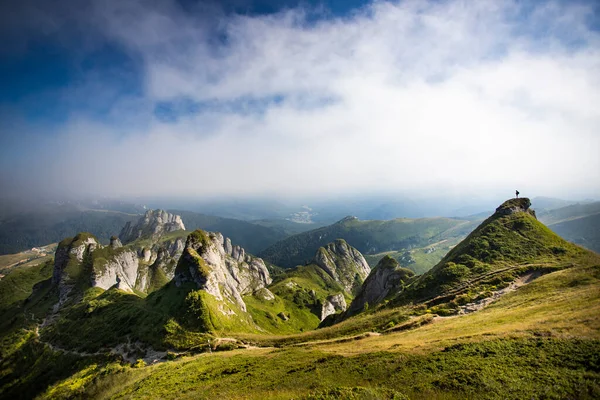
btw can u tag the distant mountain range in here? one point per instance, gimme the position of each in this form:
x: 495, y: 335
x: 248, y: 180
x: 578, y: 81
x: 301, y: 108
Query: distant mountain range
x: 578, y: 223
x: 369, y: 237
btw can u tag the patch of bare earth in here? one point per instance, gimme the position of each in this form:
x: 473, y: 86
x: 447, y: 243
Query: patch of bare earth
x: 482, y: 303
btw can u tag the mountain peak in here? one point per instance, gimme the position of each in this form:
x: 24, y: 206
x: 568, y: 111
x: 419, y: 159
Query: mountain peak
x: 343, y: 263
x: 504, y: 246
x: 347, y: 218
x: 385, y: 279
x: 153, y: 224
x: 515, y: 205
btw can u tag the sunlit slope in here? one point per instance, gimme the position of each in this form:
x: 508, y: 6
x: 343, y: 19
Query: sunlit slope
x: 369, y: 237
x: 540, y: 341
x: 508, y: 244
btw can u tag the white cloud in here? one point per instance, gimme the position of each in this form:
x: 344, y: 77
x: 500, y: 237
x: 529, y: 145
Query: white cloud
x: 410, y: 95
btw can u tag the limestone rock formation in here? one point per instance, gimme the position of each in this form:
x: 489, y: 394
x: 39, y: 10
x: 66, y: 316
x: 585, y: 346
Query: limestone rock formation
x: 225, y: 271
x: 332, y: 305
x: 118, y: 268
x: 129, y: 267
x: 344, y: 264
x: 153, y: 224
x: 385, y: 279
x: 70, y: 257
x: 115, y: 243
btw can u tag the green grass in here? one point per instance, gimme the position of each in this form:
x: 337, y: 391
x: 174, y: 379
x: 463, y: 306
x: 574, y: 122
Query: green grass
x: 540, y: 341
x: 299, y: 281
x: 369, y: 237
x: 268, y: 315
x: 106, y: 318
x: 28, y: 367
x: 422, y: 259
x: 17, y: 285
x: 496, y: 369
x: 164, y: 238
x: 501, y: 243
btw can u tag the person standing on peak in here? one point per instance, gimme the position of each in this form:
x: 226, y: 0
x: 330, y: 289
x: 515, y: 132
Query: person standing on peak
x: 517, y: 192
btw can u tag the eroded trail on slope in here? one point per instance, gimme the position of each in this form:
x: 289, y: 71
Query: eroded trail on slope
x: 482, y: 303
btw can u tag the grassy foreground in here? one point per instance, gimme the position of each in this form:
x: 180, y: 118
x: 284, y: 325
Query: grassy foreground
x: 541, y: 341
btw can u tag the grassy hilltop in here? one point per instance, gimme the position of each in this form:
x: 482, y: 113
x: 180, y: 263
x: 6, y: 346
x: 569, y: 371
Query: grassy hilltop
x: 537, y: 335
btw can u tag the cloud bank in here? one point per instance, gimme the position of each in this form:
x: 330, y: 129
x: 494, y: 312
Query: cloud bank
x: 398, y: 96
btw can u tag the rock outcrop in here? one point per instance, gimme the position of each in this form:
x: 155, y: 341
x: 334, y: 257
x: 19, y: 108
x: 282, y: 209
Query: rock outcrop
x: 152, y: 225
x: 385, y: 279
x: 344, y: 264
x: 115, y: 243
x: 142, y: 269
x: 225, y: 271
x: 71, y: 257
x: 513, y: 206
x: 131, y: 267
x: 118, y: 268
x: 333, y: 304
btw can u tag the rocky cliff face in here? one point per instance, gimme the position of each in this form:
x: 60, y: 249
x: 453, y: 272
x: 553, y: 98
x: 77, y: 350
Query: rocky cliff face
x: 71, y: 257
x: 385, y: 279
x: 119, y: 267
x: 333, y: 304
x: 225, y: 271
x: 152, y: 225
x: 134, y: 267
x: 142, y: 266
x: 344, y: 264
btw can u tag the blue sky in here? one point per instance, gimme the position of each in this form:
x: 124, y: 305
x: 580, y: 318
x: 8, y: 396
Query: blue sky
x: 134, y: 98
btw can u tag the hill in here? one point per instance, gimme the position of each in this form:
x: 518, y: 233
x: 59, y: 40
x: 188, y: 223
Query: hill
x: 570, y: 212
x: 251, y: 236
x: 577, y: 223
x: 521, y: 301
x: 368, y: 237
x: 584, y: 231
x: 52, y: 223
x: 509, y: 244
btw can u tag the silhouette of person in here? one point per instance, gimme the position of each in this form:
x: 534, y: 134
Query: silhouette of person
x: 517, y: 192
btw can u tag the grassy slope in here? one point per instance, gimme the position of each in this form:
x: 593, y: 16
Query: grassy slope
x: 568, y: 213
x: 577, y: 223
x: 500, y: 249
x: 549, y: 329
x: 18, y: 284
x: 27, y: 258
x: 584, y: 231
x: 541, y: 341
x: 299, y: 293
x: 368, y: 237
x: 287, y: 228
x: 252, y: 237
x: 421, y: 259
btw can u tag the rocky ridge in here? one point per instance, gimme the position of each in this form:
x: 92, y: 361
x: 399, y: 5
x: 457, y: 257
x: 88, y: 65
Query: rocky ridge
x: 70, y: 254
x: 84, y: 260
x: 221, y: 269
x: 344, y: 264
x: 153, y: 224
x: 385, y: 279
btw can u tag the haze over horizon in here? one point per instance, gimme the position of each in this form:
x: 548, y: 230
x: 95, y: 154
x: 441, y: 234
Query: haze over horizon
x: 299, y: 99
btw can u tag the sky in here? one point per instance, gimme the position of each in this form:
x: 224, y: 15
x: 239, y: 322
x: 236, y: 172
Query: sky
x: 287, y: 98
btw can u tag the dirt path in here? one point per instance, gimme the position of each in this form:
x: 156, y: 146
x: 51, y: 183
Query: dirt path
x: 480, y: 304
